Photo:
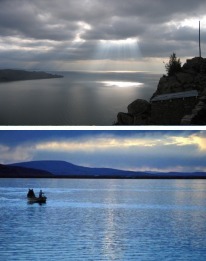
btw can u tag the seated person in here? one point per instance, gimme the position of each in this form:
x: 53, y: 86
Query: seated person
x: 41, y: 194
x: 31, y: 194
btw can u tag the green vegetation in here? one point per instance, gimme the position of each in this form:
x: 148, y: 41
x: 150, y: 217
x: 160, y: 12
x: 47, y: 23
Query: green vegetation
x: 173, y: 66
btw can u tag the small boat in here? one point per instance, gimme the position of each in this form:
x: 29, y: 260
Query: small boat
x: 40, y: 200
x: 33, y: 199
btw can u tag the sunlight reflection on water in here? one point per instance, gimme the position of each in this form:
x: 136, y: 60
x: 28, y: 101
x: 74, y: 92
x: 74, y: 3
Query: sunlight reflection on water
x: 122, y: 84
x: 80, y: 98
x: 103, y: 220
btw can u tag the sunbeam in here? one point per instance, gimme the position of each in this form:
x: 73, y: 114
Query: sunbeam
x: 121, y: 53
x: 118, y: 49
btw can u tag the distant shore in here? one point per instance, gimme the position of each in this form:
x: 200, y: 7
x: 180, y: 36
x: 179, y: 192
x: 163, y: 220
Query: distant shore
x: 146, y: 178
x: 65, y: 170
x: 10, y: 75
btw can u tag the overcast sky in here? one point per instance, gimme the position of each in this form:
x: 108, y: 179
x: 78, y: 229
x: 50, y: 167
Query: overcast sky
x: 99, y: 34
x: 131, y: 150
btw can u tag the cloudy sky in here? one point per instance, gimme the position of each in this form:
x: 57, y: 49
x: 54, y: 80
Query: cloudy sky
x: 131, y: 150
x: 99, y: 34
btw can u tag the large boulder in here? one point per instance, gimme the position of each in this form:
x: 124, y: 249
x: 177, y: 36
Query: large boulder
x: 138, y: 106
x: 142, y: 119
x: 124, y: 119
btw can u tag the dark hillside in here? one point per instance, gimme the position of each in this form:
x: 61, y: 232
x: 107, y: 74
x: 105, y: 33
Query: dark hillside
x: 63, y: 169
x: 17, y: 172
x: 8, y: 75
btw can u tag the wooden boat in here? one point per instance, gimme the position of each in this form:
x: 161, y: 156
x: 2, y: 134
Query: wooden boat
x: 40, y: 200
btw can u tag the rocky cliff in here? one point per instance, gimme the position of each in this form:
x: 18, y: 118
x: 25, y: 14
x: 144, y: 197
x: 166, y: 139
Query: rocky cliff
x: 189, y: 107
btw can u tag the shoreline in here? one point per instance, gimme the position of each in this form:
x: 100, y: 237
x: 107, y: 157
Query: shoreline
x: 12, y: 75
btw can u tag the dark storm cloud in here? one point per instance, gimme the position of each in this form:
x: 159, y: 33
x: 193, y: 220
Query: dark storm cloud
x: 73, y: 28
x: 24, y: 18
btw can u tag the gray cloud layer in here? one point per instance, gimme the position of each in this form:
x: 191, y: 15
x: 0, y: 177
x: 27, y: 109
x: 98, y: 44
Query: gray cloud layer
x: 71, y: 30
x: 135, y: 150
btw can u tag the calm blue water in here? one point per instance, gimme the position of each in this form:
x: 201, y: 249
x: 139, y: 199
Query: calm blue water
x: 77, y: 99
x: 104, y: 220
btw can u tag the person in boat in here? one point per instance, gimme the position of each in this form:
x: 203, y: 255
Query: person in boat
x: 41, y: 193
x: 31, y: 194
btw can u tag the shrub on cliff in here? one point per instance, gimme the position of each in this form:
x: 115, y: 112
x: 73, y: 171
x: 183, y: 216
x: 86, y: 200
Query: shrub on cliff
x: 173, y: 66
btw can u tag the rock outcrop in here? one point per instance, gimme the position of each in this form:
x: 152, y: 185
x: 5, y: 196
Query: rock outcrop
x: 190, y: 110
x: 138, y: 113
x: 192, y: 77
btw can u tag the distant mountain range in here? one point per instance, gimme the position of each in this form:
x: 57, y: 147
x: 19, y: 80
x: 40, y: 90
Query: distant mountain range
x: 8, y: 75
x: 62, y: 169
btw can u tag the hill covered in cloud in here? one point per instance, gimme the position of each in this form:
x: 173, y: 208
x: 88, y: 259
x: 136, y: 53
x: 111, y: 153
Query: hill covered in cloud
x: 63, y: 169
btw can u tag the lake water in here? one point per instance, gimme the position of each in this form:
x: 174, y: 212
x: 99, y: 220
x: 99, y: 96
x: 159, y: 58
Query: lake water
x: 77, y: 99
x: 103, y: 220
